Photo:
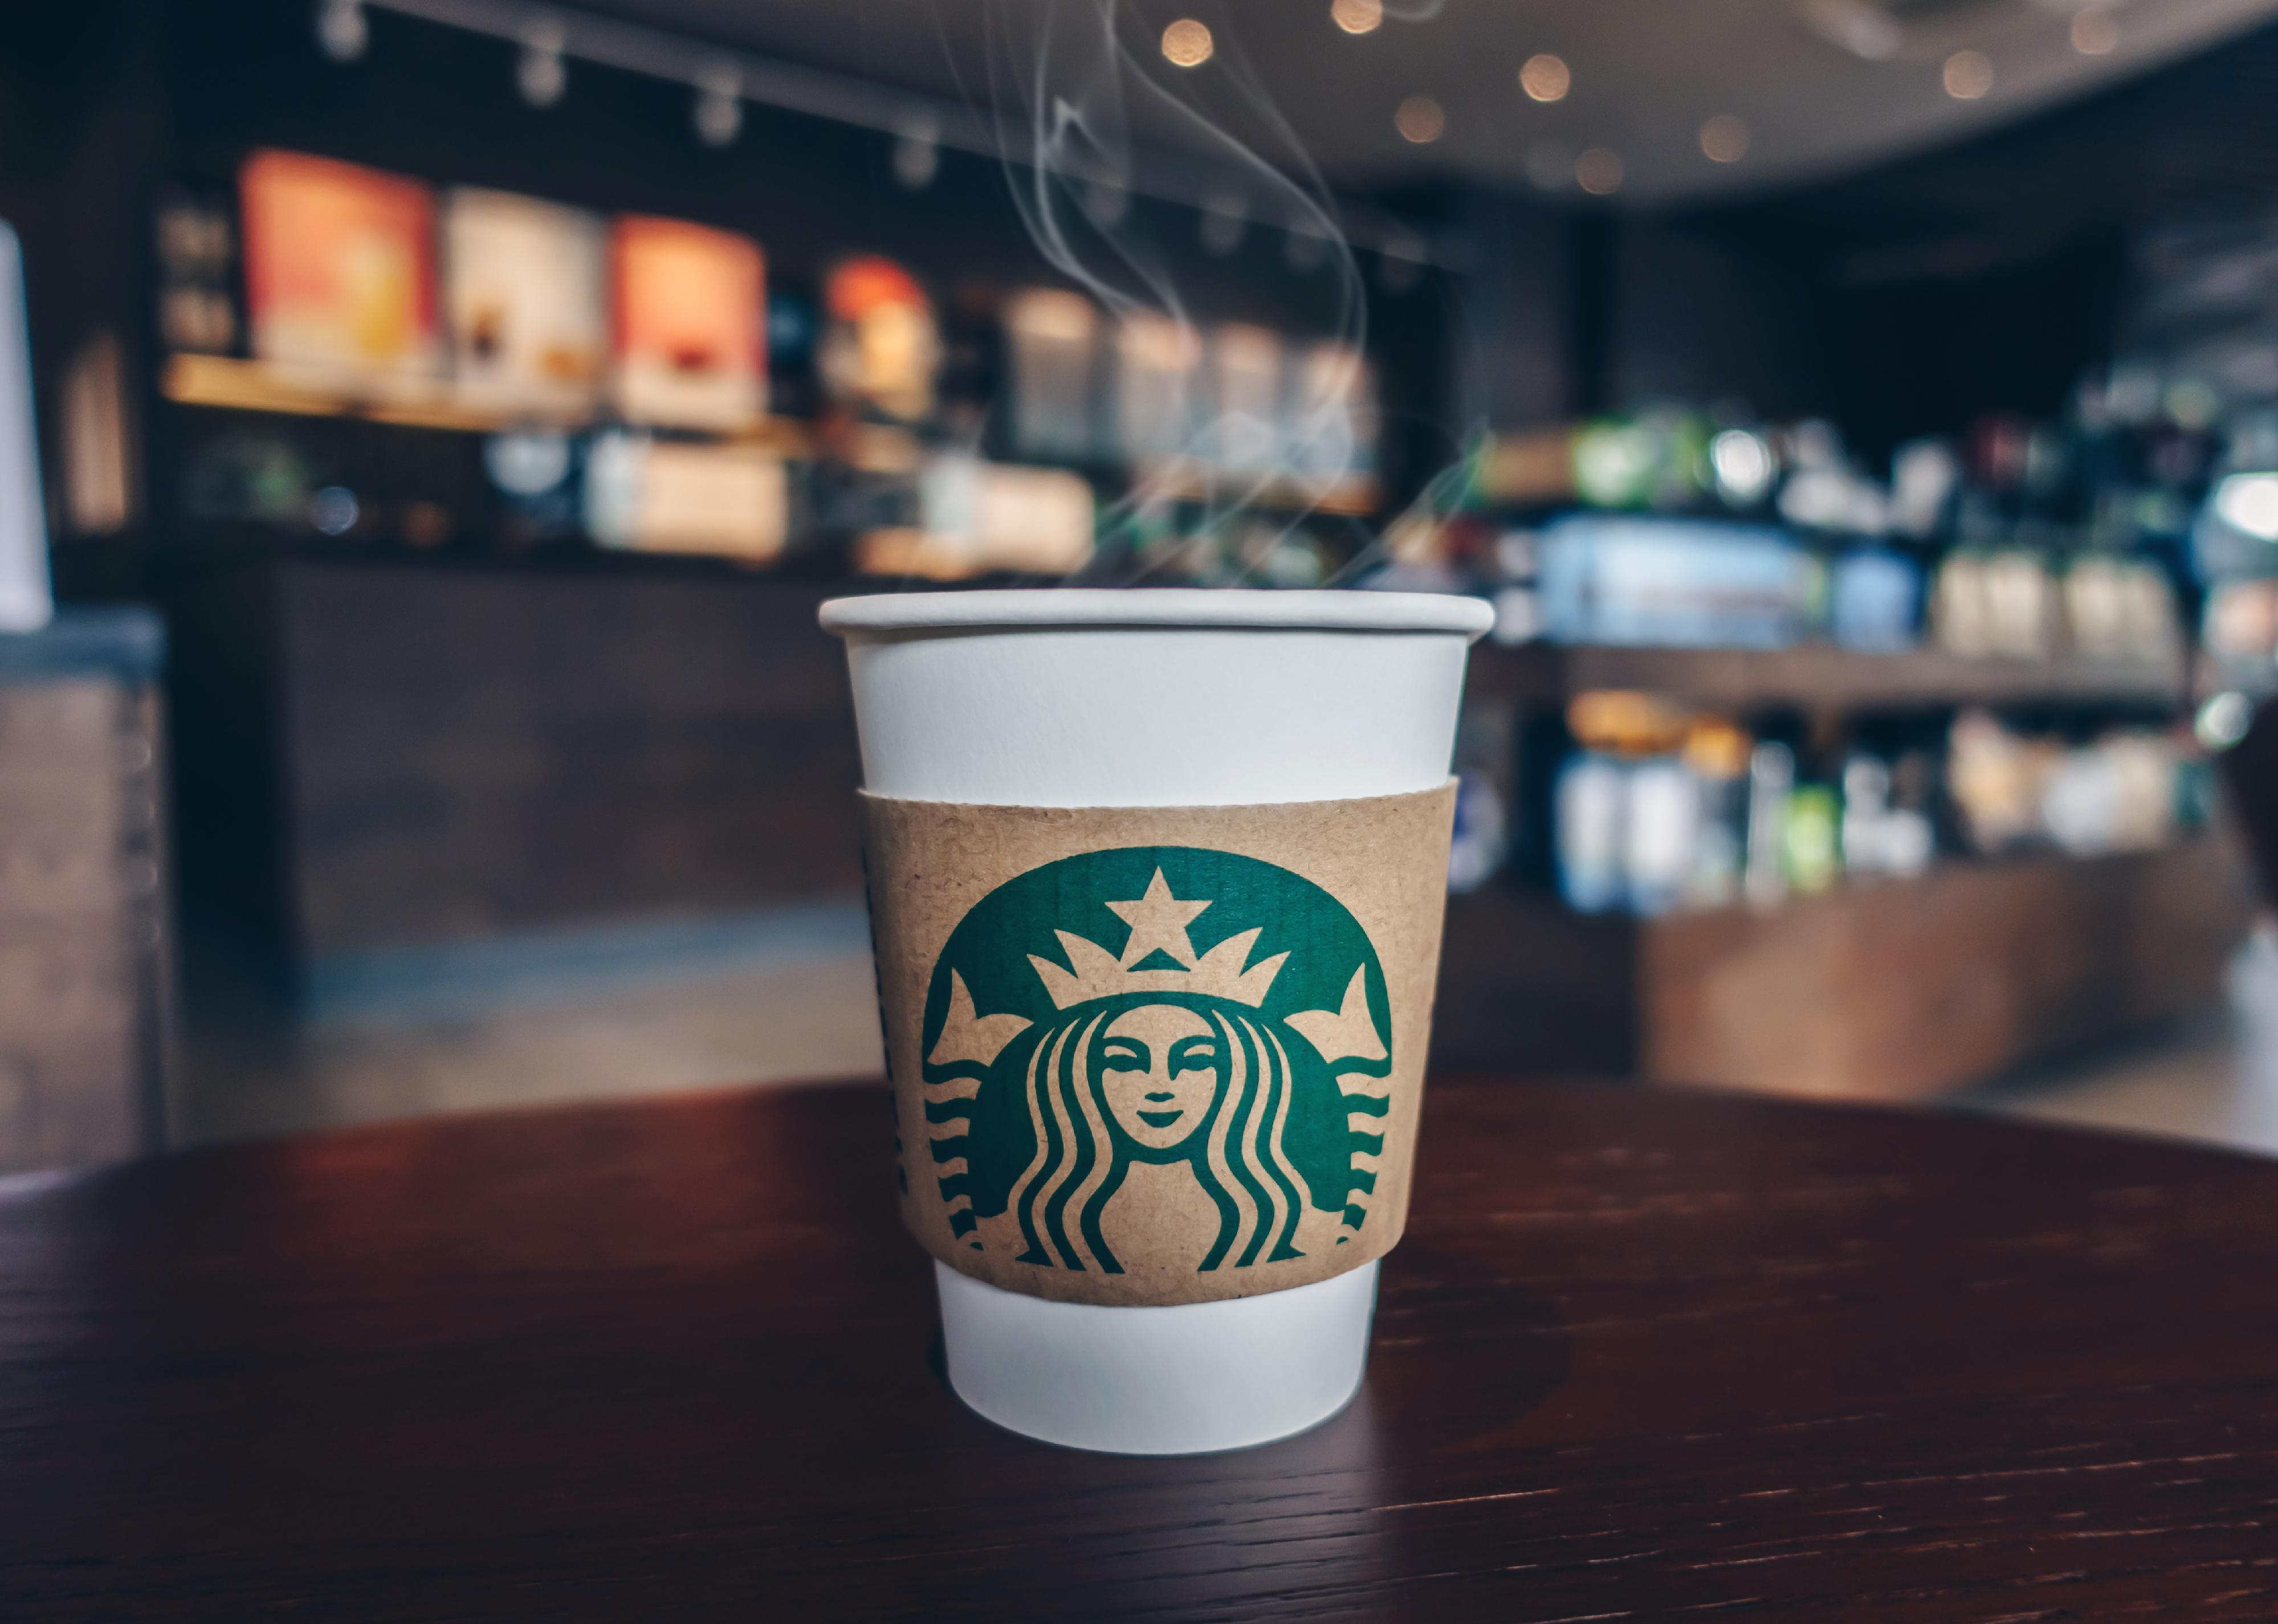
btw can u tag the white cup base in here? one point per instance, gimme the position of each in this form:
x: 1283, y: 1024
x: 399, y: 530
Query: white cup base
x: 1182, y: 1380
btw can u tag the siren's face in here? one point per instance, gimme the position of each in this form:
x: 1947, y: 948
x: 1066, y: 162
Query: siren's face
x: 1159, y: 1067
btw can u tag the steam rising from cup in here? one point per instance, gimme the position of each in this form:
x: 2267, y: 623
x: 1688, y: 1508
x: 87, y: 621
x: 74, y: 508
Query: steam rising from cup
x: 1065, y: 80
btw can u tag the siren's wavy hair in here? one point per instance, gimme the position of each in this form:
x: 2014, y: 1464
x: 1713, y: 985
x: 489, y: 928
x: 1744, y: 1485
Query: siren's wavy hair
x: 1082, y: 1154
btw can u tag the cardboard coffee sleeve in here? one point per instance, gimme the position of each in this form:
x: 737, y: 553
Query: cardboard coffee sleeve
x: 1158, y: 1055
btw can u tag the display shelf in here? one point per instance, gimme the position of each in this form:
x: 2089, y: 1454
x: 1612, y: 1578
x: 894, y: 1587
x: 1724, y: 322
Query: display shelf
x: 233, y: 383
x: 1888, y: 989
x: 1354, y: 496
x: 1820, y: 675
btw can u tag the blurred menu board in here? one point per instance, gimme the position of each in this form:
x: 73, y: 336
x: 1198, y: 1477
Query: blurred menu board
x: 1052, y: 337
x: 881, y: 349
x: 1156, y: 360
x: 524, y: 289
x: 339, y: 269
x: 1332, y: 426
x: 691, y: 306
x: 1246, y: 381
x: 995, y: 515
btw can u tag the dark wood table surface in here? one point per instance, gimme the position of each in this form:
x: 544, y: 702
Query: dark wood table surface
x: 1640, y: 1357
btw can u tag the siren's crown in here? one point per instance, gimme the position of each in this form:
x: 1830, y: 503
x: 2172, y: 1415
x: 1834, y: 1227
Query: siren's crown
x: 1159, y: 923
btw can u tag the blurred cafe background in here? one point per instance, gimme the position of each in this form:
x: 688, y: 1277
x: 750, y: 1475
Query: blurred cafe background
x: 435, y: 423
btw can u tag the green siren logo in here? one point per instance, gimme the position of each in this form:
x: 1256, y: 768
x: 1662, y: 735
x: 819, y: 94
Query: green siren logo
x: 1125, y: 1034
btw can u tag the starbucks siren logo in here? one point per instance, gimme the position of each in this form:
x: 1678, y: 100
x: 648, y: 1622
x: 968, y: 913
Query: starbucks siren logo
x: 1193, y: 1031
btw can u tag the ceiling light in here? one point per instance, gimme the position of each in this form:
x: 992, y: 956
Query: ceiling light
x: 341, y: 30
x: 539, y: 73
x: 1420, y: 119
x: 917, y: 150
x: 719, y: 113
x: 1865, y: 29
x: 1545, y: 78
x: 1307, y: 245
x: 1187, y: 44
x: 1969, y: 75
x: 1358, y: 16
x: 2094, y: 33
x: 1724, y: 138
x: 1107, y: 202
x: 1598, y: 172
x: 1226, y: 215
x: 1400, y: 262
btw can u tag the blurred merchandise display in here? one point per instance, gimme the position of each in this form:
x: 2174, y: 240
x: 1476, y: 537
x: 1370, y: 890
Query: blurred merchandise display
x: 1477, y: 848
x: 615, y: 378
x: 1607, y: 578
x: 2022, y: 541
x: 537, y: 474
x: 1480, y: 844
x: 979, y: 518
x: 1661, y: 829
x: 2128, y: 790
x: 667, y: 496
x: 1995, y: 604
x: 1654, y: 460
x: 1657, y: 808
x: 1717, y: 756
x: 2121, y: 608
x: 2009, y: 604
x: 1875, y: 600
x: 1925, y: 479
x: 1626, y: 807
x: 1887, y: 827
x: 1593, y: 820
x: 1213, y: 452
x: 1811, y: 839
x: 1517, y: 594
x: 1771, y: 782
x: 1823, y: 490
x: 2241, y: 621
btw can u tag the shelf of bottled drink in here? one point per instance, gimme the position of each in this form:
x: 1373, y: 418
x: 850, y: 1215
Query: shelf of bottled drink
x: 1812, y: 675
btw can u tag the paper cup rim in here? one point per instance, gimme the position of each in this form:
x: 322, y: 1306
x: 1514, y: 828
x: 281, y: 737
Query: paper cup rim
x: 1168, y: 608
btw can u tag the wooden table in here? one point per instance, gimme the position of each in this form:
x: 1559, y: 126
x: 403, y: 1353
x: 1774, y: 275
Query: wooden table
x: 1640, y: 1357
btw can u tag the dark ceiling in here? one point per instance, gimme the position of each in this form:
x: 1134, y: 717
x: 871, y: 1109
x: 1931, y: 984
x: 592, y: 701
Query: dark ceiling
x: 1646, y: 74
x: 2196, y: 138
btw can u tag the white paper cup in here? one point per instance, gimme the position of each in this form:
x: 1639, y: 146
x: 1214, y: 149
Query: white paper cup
x: 1102, y: 698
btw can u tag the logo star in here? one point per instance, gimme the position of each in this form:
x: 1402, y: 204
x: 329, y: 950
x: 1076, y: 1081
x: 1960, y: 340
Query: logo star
x: 1158, y: 921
